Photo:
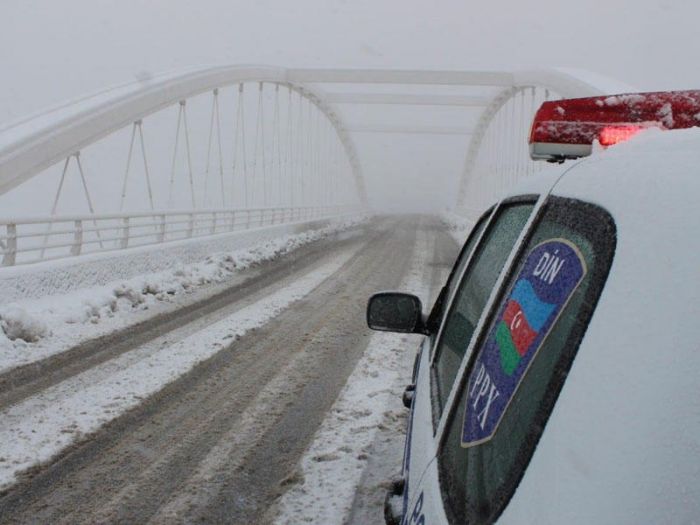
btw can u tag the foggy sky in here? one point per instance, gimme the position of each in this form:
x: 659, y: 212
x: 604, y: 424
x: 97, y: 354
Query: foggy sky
x: 52, y: 50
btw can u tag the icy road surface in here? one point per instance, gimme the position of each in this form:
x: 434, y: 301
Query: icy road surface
x: 250, y: 406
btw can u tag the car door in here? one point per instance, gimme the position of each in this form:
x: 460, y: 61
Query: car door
x: 479, y: 267
x: 511, y: 380
x: 418, y: 449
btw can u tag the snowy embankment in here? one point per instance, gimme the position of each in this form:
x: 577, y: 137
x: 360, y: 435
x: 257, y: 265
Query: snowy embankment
x: 33, y: 329
x: 368, y: 410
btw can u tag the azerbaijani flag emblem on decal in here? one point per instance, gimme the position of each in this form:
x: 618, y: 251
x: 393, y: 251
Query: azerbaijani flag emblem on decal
x: 551, y: 273
x: 522, y: 320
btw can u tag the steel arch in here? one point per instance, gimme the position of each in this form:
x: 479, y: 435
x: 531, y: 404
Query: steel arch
x: 29, y: 146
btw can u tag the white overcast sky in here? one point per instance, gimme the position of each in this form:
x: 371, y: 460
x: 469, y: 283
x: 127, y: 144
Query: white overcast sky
x: 52, y: 50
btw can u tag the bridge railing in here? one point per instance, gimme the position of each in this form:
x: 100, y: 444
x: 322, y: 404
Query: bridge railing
x: 35, y: 239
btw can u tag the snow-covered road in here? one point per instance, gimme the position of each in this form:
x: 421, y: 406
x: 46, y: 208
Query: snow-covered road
x: 362, y: 436
x: 246, y: 399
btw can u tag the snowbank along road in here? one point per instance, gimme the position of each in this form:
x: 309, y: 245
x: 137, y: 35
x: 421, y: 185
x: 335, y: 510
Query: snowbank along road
x: 251, y: 374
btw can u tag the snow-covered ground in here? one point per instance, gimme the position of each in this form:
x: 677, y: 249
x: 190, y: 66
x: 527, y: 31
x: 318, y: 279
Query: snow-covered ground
x: 34, y: 329
x: 333, y: 465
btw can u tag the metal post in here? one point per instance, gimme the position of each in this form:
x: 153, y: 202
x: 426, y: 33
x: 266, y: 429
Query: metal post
x: 307, y: 156
x: 287, y: 151
x: 177, y: 140
x: 240, y: 126
x: 128, y: 165
x: 10, y: 256
x: 277, y: 139
x: 262, y: 145
x: 208, y: 163
x: 161, y: 233
x: 55, y: 205
x: 221, y: 153
x: 139, y: 124
x: 87, y: 195
x: 77, y: 238
x: 189, y: 156
x: 298, y: 164
x: 125, y: 233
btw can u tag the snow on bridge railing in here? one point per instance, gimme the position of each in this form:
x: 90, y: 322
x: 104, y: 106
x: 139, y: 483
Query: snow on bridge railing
x: 36, y: 239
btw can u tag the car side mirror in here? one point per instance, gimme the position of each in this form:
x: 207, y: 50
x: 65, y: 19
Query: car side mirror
x: 395, y: 312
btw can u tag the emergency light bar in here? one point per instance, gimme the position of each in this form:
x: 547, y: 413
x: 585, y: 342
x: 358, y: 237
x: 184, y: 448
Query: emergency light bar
x: 566, y: 129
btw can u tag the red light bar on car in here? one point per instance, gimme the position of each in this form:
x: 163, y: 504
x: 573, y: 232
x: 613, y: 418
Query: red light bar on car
x: 566, y: 129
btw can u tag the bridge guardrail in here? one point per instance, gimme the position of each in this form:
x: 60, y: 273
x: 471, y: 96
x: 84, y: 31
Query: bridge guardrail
x: 36, y: 239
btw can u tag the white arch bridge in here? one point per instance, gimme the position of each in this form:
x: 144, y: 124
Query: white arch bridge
x: 209, y: 151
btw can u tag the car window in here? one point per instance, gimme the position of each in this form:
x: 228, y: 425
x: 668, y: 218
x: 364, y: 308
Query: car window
x: 465, y: 253
x: 442, y: 301
x: 519, y: 367
x: 473, y: 292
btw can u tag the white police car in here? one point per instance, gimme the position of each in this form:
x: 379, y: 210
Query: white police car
x: 559, y: 381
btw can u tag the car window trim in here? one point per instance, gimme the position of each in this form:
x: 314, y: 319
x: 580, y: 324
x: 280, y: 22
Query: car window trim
x: 489, y: 214
x: 539, y: 201
x: 486, y: 217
